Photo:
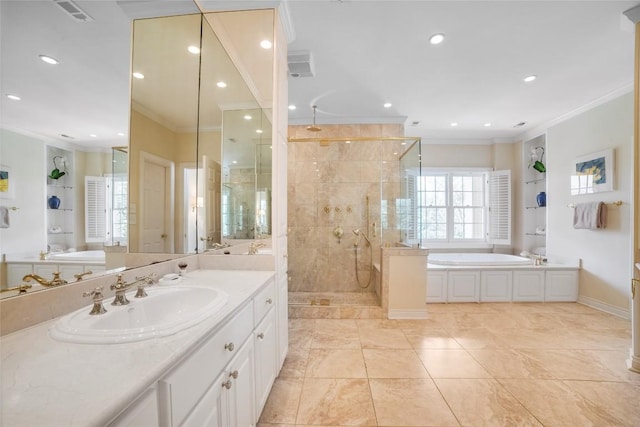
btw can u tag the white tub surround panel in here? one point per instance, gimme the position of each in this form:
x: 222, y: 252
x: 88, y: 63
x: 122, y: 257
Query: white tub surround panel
x: 78, y: 384
x: 493, y: 283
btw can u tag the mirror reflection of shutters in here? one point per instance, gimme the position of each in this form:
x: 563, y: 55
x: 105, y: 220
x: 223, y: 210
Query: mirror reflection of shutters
x: 95, y: 205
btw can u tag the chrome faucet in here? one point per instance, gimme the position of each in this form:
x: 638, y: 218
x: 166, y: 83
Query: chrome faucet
x: 56, y: 281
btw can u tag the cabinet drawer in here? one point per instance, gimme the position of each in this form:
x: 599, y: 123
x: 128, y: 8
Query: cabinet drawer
x: 186, y: 384
x: 264, y: 301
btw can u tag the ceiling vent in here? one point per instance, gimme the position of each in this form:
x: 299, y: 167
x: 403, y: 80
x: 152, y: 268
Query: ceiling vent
x: 301, y: 64
x: 71, y: 9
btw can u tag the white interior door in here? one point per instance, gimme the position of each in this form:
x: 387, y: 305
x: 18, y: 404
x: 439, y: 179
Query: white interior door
x: 156, y: 212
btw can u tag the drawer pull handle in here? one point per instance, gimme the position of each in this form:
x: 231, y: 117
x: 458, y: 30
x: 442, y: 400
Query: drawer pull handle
x: 269, y: 301
x: 261, y: 336
x: 229, y: 346
x: 234, y: 375
x: 227, y: 384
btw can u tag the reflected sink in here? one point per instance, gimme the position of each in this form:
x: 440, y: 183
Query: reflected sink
x: 165, y: 311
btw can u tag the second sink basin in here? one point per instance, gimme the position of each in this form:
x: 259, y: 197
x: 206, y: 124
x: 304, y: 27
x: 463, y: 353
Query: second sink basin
x: 165, y: 311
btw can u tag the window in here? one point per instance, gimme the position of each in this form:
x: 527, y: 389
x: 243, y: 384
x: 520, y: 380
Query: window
x: 106, y: 209
x: 463, y: 206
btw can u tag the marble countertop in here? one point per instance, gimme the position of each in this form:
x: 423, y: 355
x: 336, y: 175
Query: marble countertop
x: 47, y: 382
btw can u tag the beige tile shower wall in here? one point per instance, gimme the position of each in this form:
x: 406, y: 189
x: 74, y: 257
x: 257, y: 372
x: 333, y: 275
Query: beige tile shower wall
x: 327, y: 188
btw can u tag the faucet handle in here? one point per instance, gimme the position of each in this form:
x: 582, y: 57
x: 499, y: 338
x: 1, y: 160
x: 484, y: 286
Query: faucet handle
x: 119, y: 283
x: 97, y: 295
x: 79, y: 276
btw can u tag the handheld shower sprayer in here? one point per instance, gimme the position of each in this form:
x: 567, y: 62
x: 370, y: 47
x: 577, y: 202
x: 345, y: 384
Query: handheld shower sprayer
x: 358, y: 233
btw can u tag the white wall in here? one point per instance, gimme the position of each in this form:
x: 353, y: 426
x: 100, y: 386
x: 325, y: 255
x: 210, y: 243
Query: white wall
x: 606, y: 254
x: 26, y: 158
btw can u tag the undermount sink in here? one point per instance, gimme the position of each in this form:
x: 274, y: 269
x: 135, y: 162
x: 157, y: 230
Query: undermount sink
x: 165, y: 311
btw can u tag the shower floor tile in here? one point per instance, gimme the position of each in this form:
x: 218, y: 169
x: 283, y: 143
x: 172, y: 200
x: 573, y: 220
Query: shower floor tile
x: 334, y: 305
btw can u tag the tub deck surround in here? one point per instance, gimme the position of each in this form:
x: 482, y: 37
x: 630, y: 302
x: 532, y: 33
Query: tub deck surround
x: 87, y: 384
x: 550, y: 282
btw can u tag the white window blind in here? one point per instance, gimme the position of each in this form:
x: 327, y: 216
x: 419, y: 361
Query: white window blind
x: 499, y: 204
x: 95, y: 205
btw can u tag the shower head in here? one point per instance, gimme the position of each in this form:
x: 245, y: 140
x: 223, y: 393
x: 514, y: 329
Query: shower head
x: 314, y: 128
x: 356, y: 231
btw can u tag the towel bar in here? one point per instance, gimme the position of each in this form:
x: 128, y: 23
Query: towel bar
x: 616, y: 203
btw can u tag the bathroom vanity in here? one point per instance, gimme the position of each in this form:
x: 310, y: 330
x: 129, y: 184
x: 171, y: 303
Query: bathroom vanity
x: 218, y: 372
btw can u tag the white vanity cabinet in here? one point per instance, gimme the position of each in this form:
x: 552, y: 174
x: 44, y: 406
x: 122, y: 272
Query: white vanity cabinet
x: 198, y: 375
x: 225, y: 381
x: 265, y: 341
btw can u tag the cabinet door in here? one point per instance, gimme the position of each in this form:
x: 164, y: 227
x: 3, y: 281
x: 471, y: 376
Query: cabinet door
x: 241, y: 377
x: 436, y: 286
x: 463, y: 286
x: 495, y: 286
x: 142, y: 413
x: 561, y: 285
x: 265, y: 339
x: 212, y: 410
x: 528, y: 285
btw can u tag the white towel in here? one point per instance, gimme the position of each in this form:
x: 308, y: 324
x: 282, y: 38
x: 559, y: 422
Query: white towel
x: 591, y: 216
x: 4, y: 217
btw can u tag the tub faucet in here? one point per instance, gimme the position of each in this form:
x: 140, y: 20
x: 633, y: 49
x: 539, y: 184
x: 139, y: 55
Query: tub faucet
x: 253, y: 247
x: 56, y: 281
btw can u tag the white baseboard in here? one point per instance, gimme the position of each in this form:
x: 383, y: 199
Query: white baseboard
x: 633, y: 362
x: 603, y: 306
x: 407, y: 314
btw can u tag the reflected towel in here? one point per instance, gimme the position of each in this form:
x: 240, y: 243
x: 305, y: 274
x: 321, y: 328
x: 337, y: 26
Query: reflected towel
x: 592, y: 216
x: 4, y: 217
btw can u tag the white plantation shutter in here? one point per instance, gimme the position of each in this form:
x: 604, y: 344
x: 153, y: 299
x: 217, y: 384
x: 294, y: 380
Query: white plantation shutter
x: 499, y: 204
x: 411, y: 224
x: 95, y: 209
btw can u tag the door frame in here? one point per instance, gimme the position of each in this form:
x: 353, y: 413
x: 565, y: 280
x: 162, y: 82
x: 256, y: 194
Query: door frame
x: 169, y: 201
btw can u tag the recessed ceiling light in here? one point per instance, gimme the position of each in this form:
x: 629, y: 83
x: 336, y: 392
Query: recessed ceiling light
x: 454, y: 124
x: 403, y: 143
x: 266, y: 44
x: 487, y: 125
x: 93, y: 135
x: 120, y: 134
x: 395, y: 153
x: 14, y: 97
x: 221, y: 84
x: 530, y: 78
x: 194, y: 49
x: 436, y: 38
x: 49, y: 59
x: 138, y: 75
x: 247, y: 117
x: 235, y: 162
x: 347, y: 142
x: 387, y: 105
x: 292, y: 107
x: 258, y: 130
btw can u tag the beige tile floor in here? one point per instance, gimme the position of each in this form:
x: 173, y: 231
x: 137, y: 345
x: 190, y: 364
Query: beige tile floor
x: 553, y: 364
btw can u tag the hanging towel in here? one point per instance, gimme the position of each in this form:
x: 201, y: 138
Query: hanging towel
x: 4, y: 217
x: 592, y: 216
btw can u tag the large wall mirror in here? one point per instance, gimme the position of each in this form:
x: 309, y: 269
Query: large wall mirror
x: 185, y: 130
x: 200, y: 147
